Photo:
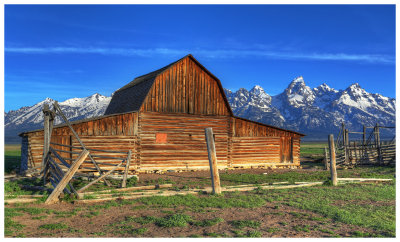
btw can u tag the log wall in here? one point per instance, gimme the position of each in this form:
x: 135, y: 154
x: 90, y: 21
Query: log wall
x: 256, y: 144
x: 184, y: 146
x: 116, y: 132
x: 171, y: 141
x: 186, y: 88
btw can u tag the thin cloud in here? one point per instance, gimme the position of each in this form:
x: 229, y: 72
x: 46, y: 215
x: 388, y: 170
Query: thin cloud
x: 217, y: 54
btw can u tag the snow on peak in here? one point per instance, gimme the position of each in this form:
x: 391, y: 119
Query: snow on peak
x: 258, y: 90
x: 356, y: 90
x: 324, y: 88
x: 47, y: 100
x: 298, y: 93
x: 298, y: 79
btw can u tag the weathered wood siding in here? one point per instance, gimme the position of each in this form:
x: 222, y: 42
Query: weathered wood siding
x: 244, y: 128
x: 296, y: 151
x: 256, y: 144
x: 255, y: 151
x: 185, y: 145
x: 186, y: 88
x: 117, y: 132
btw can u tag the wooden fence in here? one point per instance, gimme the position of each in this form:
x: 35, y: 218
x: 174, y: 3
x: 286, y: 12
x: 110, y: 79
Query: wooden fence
x: 358, y: 154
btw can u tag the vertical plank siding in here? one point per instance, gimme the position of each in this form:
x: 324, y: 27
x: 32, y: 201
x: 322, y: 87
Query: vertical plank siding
x: 186, y: 88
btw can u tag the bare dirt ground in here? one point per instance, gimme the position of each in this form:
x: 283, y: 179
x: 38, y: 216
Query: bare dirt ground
x: 283, y: 222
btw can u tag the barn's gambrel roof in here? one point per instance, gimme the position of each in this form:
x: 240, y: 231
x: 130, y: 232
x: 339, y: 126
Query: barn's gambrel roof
x: 131, y: 97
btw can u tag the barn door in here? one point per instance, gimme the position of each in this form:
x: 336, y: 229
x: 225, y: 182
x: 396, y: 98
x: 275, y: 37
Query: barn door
x: 286, y: 150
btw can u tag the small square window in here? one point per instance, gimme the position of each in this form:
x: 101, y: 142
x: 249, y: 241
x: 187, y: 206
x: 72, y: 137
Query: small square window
x: 161, y: 138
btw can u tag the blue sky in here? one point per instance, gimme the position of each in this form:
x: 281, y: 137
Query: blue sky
x: 66, y: 51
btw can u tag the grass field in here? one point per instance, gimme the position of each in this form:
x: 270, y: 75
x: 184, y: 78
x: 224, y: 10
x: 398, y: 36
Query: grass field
x: 312, y: 148
x: 12, y: 158
x: 348, y: 210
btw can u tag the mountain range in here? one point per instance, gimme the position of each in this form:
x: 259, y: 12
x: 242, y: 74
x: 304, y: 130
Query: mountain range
x: 315, y: 112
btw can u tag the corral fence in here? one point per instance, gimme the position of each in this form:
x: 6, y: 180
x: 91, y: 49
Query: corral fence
x: 367, y: 150
x: 62, y: 162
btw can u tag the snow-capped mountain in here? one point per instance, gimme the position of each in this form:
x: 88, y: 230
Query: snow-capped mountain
x: 30, y: 118
x: 315, y: 112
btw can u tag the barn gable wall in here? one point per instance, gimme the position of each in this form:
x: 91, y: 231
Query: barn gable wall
x: 186, y: 87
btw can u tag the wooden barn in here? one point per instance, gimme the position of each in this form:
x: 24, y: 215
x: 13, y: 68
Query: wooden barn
x: 161, y: 116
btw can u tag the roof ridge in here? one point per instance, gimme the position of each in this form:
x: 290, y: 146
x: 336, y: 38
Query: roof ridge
x: 144, y: 77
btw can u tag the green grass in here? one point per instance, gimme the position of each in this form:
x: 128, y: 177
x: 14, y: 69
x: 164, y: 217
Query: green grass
x: 12, y: 212
x: 253, y: 234
x: 12, y: 189
x: 348, y: 204
x: 175, y: 220
x: 12, y: 158
x: 312, y: 148
x: 98, y: 233
x: 291, y: 177
x: 55, y: 226
x: 273, y: 230
x: 39, y: 217
x: 302, y: 228
x: 11, y: 227
x: 248, y: 234
x: 366, y: 205
x: 239, y: 224
x: 226, y: 200
x: 295, y: 176
x: 208, y: 222
x: 138, y: 231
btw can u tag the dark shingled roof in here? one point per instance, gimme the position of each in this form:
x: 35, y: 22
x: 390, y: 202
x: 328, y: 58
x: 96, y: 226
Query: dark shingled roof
x: 130, y: 99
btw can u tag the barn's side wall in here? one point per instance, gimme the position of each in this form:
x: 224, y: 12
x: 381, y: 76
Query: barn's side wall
x: 117, y: 132
x: 162, y: 141
x: 177, y: 141
x: 254, y: 144
x: 186, y: 88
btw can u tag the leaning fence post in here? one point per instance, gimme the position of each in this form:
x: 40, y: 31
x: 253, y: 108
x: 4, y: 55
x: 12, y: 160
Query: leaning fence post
x: 212, y: 158
x: 333, y: 160
x: 326, y: 159
x: 46, y: 125
x: 128, y: 162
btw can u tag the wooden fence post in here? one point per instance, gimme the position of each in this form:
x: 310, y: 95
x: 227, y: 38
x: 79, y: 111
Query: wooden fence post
x: 128, y: 162
x: 333, y: 160
x: 344, y: 134
x: 53, y: 197
x: 46, y: 141
x: 378, y: 144
x: 212, y: 158
x: 326, y: 159
x: 364, y: 134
